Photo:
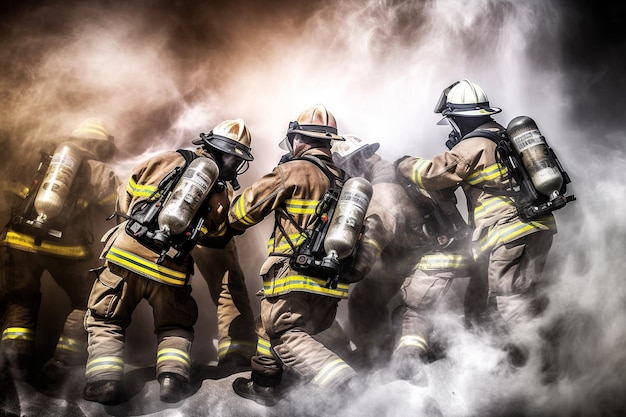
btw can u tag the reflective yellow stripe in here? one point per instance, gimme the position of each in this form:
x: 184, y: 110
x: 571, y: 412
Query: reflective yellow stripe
x: 108, y: 200
x: 221, y: 230
x: 146, y: 268
x: 295, y: 238
x: 294, y: 206
x: 111, y: 363
x: 441, y: 261
x: 505, y: 234
x: 490, y: 205
x: 487, y: 174
x: 371, y: 242
x: 72, y: 345
x: 329, y: 372
x: 171, y: 354
x: 240, y: 211
x: 15, y: 188
x: 414, y: 341
x: 234, y: 346
x: 140, y: 190
x: 18, y: 333
x: 418, y: 167
x: 27, y: 243
x: 263, y: 347
x: 302, y: 283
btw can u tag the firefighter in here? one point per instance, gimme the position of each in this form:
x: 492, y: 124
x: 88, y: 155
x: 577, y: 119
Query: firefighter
x: 139, y: 264
x: 407, y: 251
x: 510, y: 249
x: 294, y: 306
x: 390, y: 244
x: 56, y: 211
x: 236, y: 334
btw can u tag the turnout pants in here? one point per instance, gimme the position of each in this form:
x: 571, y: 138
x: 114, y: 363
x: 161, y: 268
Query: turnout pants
x: 289, y: 321
x: 21, y: 285
x: 235, y: 321
x: 424, y: 294
x: 115, y: 294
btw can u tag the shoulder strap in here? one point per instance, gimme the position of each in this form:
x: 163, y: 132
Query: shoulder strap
x: 332, y: 189
x: 188, y: 155
x: 494, y: 136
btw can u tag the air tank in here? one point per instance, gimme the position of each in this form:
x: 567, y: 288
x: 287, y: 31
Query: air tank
x: 56, y: 183
x: 192, y: 188
x: 536, y: 157
x: 345, y: 226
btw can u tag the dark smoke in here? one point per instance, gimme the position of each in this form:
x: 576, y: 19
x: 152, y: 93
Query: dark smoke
x: 160, y: 72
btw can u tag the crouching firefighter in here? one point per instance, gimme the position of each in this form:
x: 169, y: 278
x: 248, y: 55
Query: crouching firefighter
x: 54, y: 218
x: 169, y: 202
x: 301, y: 289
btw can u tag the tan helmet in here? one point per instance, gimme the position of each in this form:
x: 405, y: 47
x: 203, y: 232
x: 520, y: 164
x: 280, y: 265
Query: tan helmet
x: 93, y: 136
x: 314, y: 122
x: 466, y: 99
x: 352, y: 145
x: 231, y: 137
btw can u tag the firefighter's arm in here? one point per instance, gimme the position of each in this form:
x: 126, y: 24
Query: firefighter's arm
x: 258, y: 200
x: 442, y: 171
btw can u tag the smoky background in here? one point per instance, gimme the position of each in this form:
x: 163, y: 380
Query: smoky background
x: 160, y: 72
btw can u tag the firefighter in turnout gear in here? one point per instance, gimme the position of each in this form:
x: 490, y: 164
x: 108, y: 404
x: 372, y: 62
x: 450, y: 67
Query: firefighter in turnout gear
x: 57, y: 209
x: 295, y: 305
x: 391, y: 242
x: 170, y: 201
x: 510, y: 250
x: 413, y: 248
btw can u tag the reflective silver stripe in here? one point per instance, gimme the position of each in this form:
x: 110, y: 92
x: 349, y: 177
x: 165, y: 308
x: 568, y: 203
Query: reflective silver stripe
x: 329, y: 372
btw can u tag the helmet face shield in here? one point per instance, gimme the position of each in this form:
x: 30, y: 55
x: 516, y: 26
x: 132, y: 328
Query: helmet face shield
x: 443, y: 99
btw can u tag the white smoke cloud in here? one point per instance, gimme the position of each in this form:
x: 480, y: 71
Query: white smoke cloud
x: 159, y: 74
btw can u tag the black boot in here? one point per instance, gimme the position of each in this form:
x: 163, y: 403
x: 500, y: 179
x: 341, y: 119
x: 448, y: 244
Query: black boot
x: 104, y: 392
x: 174, y: 387
x: 246, y: 388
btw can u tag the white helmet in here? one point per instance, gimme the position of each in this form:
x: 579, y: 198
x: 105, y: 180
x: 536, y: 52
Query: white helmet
x: 465, y: 99
x: 350, y: 155
x: 343, y: 149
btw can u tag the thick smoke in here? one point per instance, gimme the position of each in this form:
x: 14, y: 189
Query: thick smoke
x: 160, y: 72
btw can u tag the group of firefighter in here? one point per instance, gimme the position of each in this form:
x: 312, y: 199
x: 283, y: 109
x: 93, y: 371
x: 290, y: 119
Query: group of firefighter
x: 415, y: 257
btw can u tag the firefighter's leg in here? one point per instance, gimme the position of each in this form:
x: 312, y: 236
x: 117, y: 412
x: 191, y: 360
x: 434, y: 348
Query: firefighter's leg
x: 421, y: 294
x: 23, y: 300
x: 76, y: 280
x: 370, y: 319
x: 515, y: 270
x: 175, y: 313
x: 292, y: 318
x: 235, y: 320
x: 114, y: 296
x: 263, y: 385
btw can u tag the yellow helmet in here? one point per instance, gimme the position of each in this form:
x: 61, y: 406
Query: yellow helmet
x: 93, y: 136
x: 231, y: 137
x: 314, y: 122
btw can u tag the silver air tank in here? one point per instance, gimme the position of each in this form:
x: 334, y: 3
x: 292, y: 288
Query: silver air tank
x: 536, y: 157
x: 56, y: 183
x: 191, y: 190
x: 345, y: 226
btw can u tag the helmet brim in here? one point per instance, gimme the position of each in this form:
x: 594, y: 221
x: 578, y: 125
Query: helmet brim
x: 475, y: 112
x: 317, y: 135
